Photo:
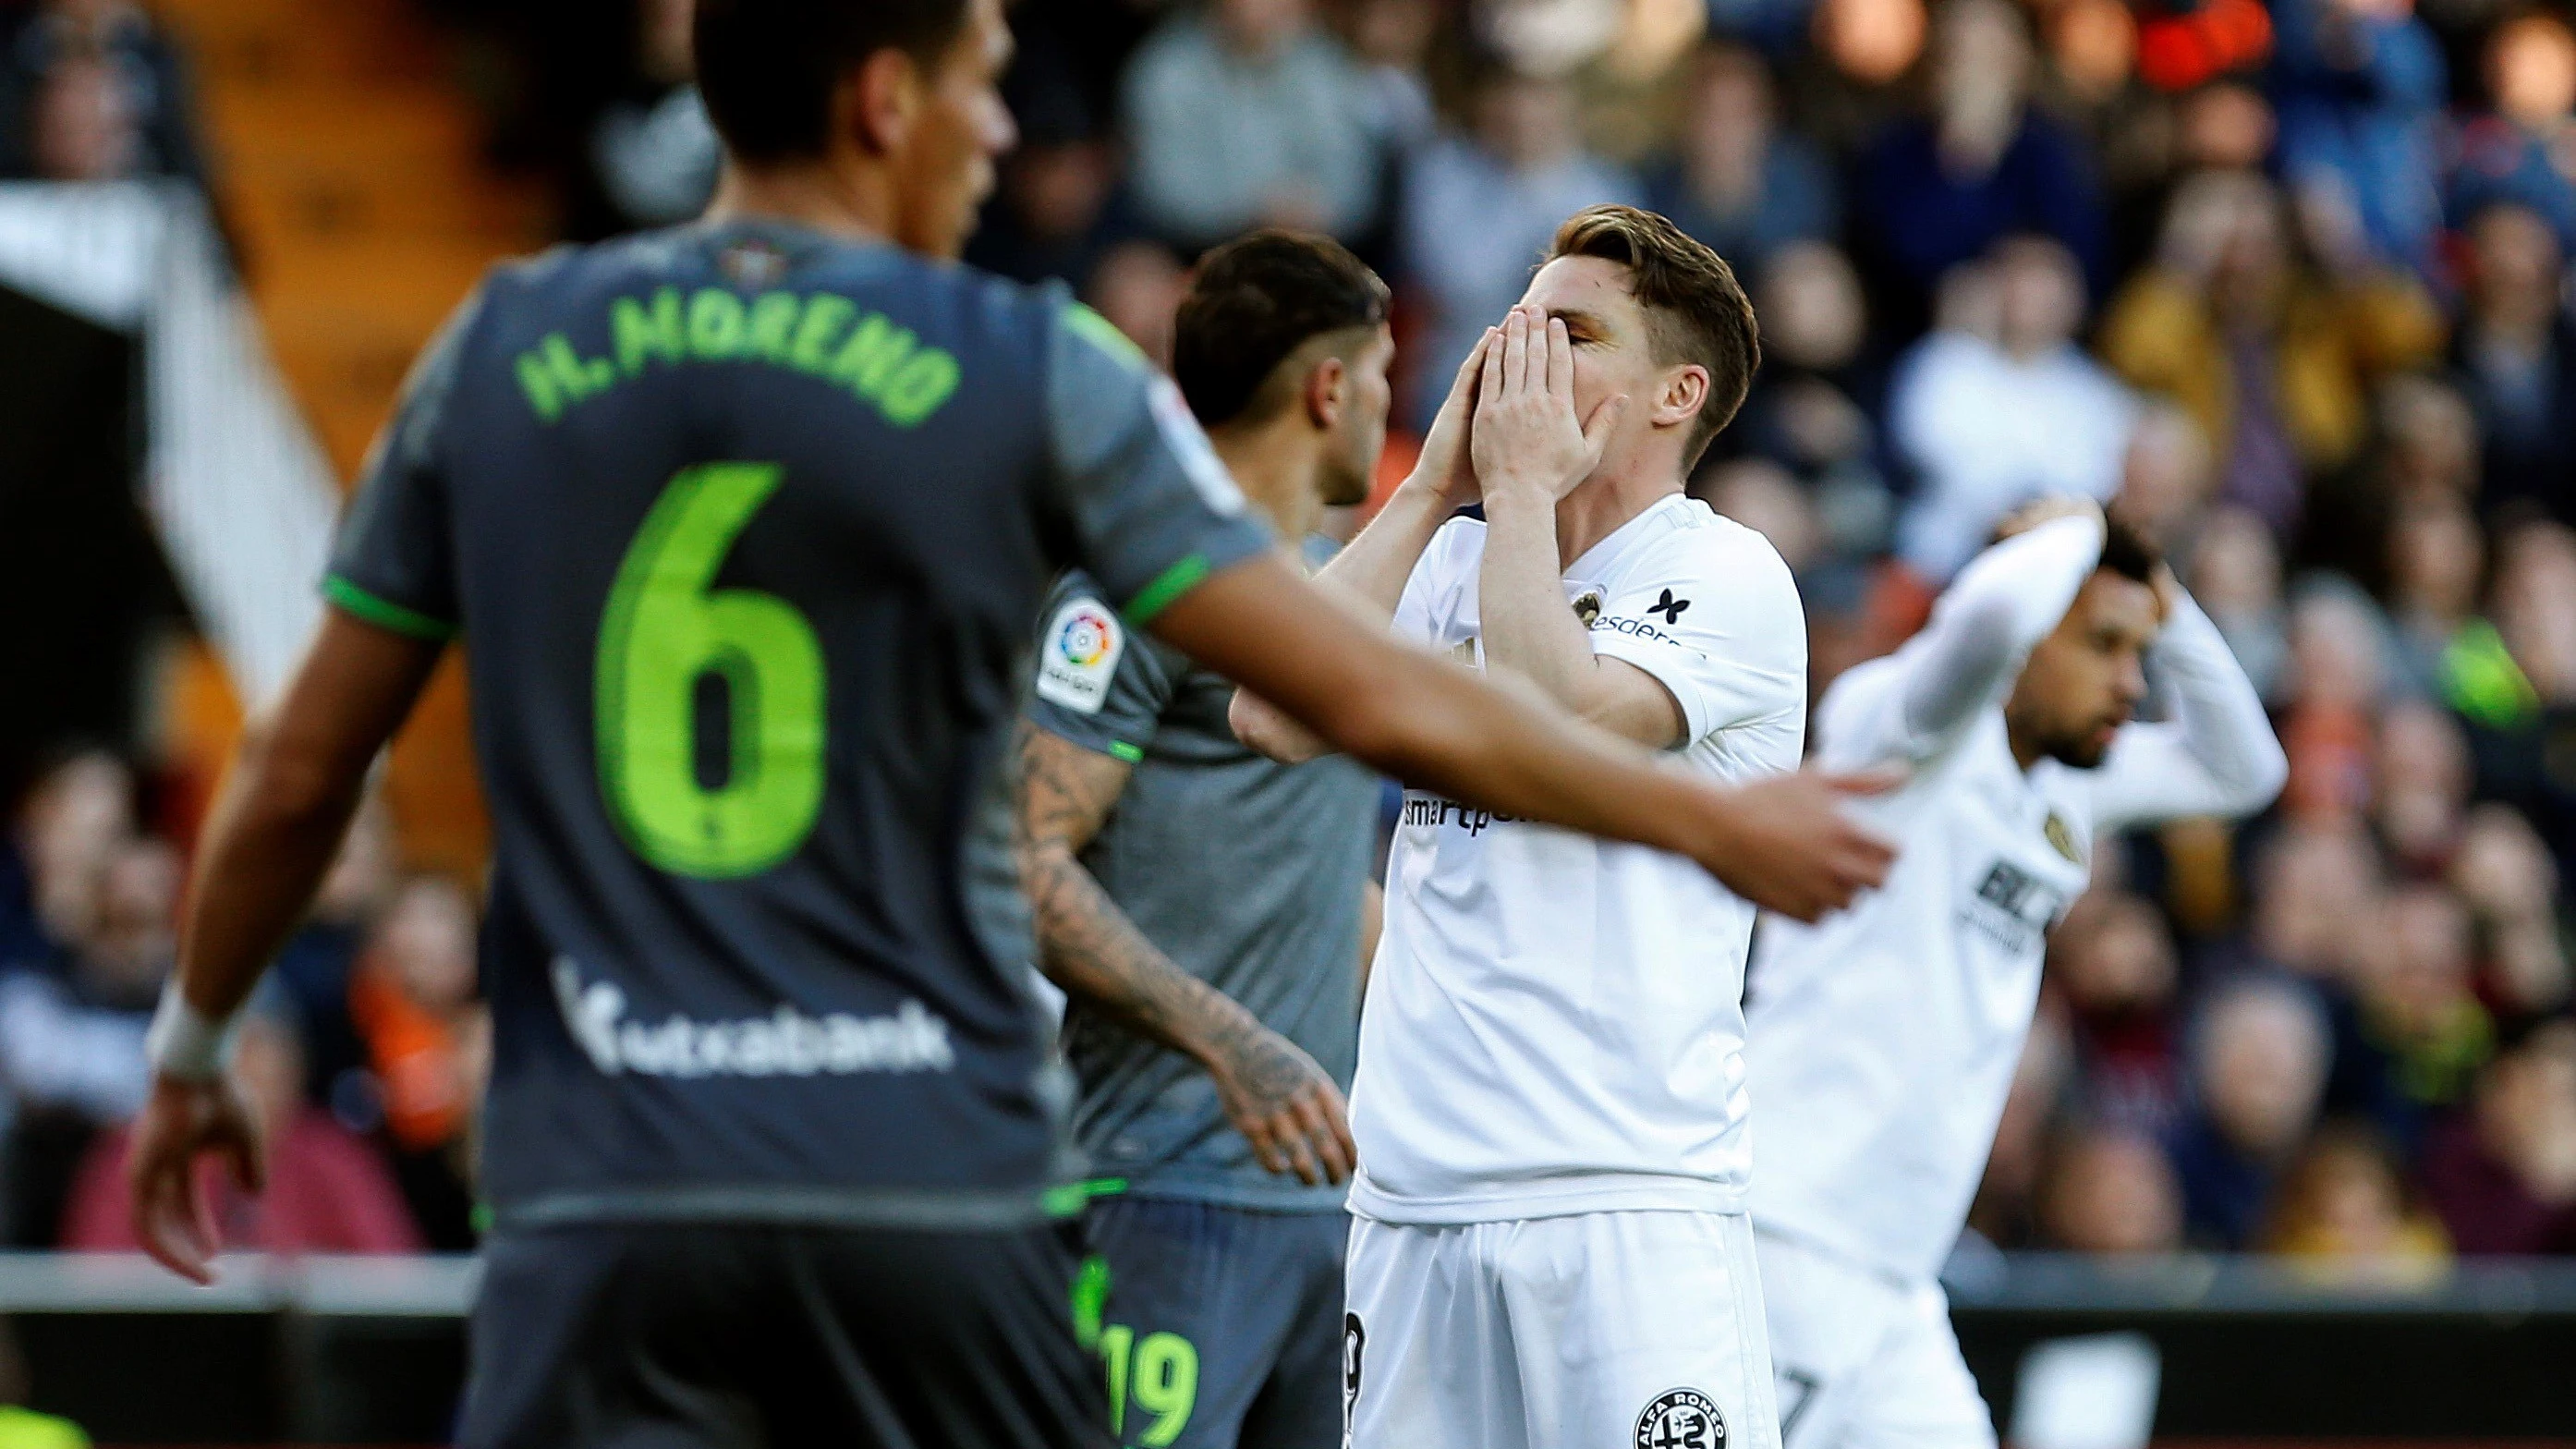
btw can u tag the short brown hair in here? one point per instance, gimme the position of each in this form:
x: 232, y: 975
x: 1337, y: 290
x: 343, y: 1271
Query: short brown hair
x: 1695, y: 309
x: 1257, y: 302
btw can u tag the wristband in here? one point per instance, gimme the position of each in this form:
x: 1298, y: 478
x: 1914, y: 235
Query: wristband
x: 182, y: 1043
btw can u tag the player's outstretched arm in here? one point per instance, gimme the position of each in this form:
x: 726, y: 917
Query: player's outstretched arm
x: 1276, y: 1095
x: 271, y: 836
x: 1782, y: 843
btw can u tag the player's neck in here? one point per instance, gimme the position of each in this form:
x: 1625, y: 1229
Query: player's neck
x: 1277, y: 475
x: 1603, y: 504
x: 841, y: 201
x: 2025, y: 751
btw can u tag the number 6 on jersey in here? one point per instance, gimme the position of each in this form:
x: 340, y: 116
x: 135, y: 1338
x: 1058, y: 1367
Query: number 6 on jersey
x: 664, y: 633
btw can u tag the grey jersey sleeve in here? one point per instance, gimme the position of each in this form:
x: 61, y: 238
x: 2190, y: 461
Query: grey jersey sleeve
x: 1149, y: 509
x: 393, y: 563
x: 1099, y: 684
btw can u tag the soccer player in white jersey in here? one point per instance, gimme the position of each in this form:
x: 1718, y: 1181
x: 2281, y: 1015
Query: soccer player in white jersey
x: 1549, y: 1247
x: 1884, y: 1040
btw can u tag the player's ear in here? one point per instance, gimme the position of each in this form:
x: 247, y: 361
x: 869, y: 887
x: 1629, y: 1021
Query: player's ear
x: 1328, y: 390
x: 1679, y: 396
x: 875, y: 103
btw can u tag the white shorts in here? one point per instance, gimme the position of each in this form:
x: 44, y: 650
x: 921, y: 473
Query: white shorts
x: 1620, y: 1330
x: 1866, y: 1361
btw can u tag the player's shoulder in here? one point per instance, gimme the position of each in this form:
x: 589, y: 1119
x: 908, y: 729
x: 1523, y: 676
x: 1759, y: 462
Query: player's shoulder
x: 1695, y: 541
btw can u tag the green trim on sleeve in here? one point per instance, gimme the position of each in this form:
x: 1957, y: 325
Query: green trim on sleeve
x: 385, y: 613
x: 1167, y: 586
x: 1125, y: 751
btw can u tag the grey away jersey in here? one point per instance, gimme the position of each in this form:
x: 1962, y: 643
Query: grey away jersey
x: 1245, y: 872
x: 744, y: 526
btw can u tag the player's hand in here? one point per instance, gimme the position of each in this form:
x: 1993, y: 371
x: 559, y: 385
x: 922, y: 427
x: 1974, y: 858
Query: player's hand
x: 1445, y: 464
x: 1528, y: 436
x: 2047, y: 509
x: 1286, y: 1106
x: 1785, y: 844
x: 173, y: 1218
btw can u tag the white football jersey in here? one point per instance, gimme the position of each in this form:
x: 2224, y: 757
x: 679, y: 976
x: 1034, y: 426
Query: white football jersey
x: 1554, y: 1023
x: 1884, y: 1039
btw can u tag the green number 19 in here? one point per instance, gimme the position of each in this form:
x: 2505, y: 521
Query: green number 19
x: 1163, y: 1371
x: 665, y: 631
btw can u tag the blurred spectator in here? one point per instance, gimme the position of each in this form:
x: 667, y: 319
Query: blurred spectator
x: 2166, y: 477
x: 1248, y: 114
x: 2274, y: 358
x: 652, y: 153
x: 2258, y: 1073
x: 1812, y: 404
x: 79, y: 811
x: 1943, y: 188
x: 2113, y: 1193
x: 2338, y: 676
x: 1987, y: 423
x: 2421, y: 791
x: 2503, y: 1176
x: 91, y: 91
x: 326, y: 1191
x: 2526, y: 747
x: 72, y: 1046
x: 2113, y: 958
x: 2344, y: 1214
x: 1738, y: 182
x: 1479, y: 210
x: 413, y: 999
x: 2360, y: 85
x: 2235, y: 576
x: 1392, y: 39
x: 1052, y: 212
x: 2420, y: 1009
x: 2505, y: 877
x: 1762, y: 496
x: 1138, y: 287
x: 2449, y: 652
x: 2523, y: 153
x: 2515, y: 357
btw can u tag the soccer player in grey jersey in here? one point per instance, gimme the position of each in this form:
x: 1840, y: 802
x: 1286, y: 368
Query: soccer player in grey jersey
x: 746, y: 521
x: 1201, y: 905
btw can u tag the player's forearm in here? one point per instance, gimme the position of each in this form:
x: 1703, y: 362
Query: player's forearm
x: 1521, y: 608
x: 1372, y: 569
x: 1088, y: 947
x: 2003, y: 603
x: 267, y: 845
x: 2225, y: 726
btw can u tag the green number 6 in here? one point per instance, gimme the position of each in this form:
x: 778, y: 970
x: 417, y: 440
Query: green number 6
x: 666, y: 630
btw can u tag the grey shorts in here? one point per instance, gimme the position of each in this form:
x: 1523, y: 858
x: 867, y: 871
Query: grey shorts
x: 689, y: 1336
x: 1221, y: 1326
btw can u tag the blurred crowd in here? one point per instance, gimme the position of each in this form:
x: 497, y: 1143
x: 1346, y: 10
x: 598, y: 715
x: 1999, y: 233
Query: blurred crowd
x: 2284, y: 283
x: 364, y: 1052
x: 92, y: 90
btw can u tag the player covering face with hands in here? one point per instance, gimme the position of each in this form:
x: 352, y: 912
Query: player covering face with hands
x: 1550, y: 1245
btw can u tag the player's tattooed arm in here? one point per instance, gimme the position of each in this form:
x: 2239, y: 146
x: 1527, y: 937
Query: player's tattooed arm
x: 1285, y: 1105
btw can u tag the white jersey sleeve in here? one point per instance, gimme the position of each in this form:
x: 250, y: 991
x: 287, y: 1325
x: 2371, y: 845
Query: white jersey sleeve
x: 1916, y: 704
x: 2215, y: 756
x: 1427, y: 612
x: 1715, y: 618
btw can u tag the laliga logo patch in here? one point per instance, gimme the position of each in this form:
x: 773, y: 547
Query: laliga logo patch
x: 1080, y: 657
x: 1681, y: 1419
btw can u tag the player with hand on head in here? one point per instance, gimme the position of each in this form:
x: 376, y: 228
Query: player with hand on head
x: 747, y: 521
x: 1884, y: 1040
x: 1549, y: 1246
x: 1202, y: 906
